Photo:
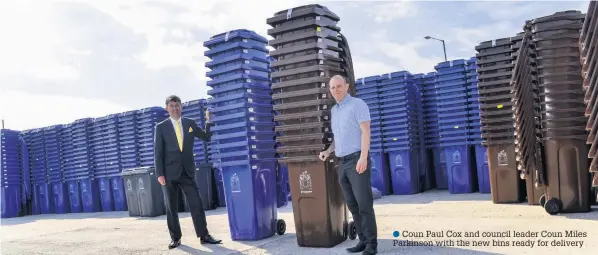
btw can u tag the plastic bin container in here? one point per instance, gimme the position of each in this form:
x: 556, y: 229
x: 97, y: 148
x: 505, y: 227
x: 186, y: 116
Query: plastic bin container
x: 204, y: 180
x: 11, y: 169
x: 145, y: 197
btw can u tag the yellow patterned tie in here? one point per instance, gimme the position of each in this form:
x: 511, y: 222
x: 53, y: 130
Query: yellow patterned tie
x: 178, y: 135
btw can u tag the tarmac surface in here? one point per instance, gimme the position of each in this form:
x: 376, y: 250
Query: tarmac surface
x: 436, y: 211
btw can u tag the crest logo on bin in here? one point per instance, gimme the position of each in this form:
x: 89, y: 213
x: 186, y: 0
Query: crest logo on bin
x: 129, y: 185
x: 503, y: 160
x: 71, y: 188
x: 83, y: 187
x: 399, y: 160
x: 442, y: 158
x: 457, y: 157
x: 305, y: 182
x: 235, y: 184
x: 140, y: 183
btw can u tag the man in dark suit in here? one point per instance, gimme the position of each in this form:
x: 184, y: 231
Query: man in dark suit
x: 175, y: 168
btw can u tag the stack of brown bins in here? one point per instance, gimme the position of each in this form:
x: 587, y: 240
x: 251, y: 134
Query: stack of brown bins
x: 495, y: 67
x: 556, y: 42
x: 588, y: 45
x: 526, y: 108
x: 308, y: 51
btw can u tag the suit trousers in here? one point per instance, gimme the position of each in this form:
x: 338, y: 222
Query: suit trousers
x: 357, y: 190
x: 172, y: 190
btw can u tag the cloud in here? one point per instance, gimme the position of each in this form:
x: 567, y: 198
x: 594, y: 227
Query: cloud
x: 22, y: 110
x: 387, y: 12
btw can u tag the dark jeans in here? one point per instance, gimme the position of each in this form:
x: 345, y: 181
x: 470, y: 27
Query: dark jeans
x: 357, y: 189
x: 172, y: 190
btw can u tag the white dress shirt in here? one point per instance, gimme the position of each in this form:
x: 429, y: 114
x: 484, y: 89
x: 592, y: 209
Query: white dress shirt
x: 174, y: 123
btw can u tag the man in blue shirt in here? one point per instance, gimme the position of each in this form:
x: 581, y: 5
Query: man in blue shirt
x: 351, y: 130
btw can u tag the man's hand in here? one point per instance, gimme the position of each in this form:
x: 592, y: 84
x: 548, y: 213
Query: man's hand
x: 324, y: 155
x: 162, y: 180
x: 362, y: 165
x: 207, y: 116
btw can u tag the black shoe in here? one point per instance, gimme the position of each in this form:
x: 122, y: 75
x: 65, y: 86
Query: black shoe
x: 209, y: 240
x: 370, y: 250
x: 174, y: 243
x: 357, y: 248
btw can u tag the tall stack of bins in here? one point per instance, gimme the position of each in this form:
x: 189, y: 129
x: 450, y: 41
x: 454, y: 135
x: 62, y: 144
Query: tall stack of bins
x: 367, y: 90
x: 526, y: 109
x: 146, y: 120
x: 588, y: 45
x: 39, y: 181
x: 481, y: 156
x: 454, y: 123
x: 399, y: 116
x: 107, y: 163
x: 243, y: 134
x: 556, y: 38
x: 494, y: 61
x: 127, y: 140
x: 52, y: 151
x: 10, y: 173
x: 427, y: 181
x: 309, y: 50
x: 195, y: 110
x: 432, y: 131
x: 83, y: 188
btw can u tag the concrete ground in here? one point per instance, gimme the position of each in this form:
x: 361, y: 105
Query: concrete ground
x: 117, y: 233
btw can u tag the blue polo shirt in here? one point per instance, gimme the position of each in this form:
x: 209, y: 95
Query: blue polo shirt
x: 346, y: 117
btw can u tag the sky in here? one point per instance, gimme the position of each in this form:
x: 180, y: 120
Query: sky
x: 65, y: 60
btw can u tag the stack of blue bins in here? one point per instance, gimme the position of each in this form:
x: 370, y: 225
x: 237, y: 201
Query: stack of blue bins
x: 243, y: 135
x: 105, y: 144
x: 432, y: 131
x: 402, y: 131
x: 83, y: 190
x: 127, y: 140
x: 10, y: 173
x: 146, y: 120
x: 368, y: 90
x: 59, y: 199
x: 195, y: 110
x: 455, y: 122
x: 481, y: 158
x: 41, y: 203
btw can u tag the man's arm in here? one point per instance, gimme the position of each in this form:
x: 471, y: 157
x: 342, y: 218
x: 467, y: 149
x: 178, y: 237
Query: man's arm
x: 200, y: 133
x: 362, y: 112
x: 158, y: 151
x: 365, y: 138
x: 331, y: 147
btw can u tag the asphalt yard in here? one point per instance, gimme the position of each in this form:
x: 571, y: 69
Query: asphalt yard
x: 433, y: 222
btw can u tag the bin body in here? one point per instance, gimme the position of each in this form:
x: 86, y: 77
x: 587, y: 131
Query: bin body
x: 440, y: 168
x: 404, y: 165
x: 251, y: 199
x: 505, y: 184
x: 60, y: 197
x: 460, y: 169
x: 145, y: 197
x: 319, y: 207
x: 381, y: 177
x: 204, y: 181
x: 481, y: 159
x: 11, y: 200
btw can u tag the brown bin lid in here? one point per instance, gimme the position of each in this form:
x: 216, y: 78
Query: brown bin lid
x: 301, y: 12
x: 303, y: 92
x: 324, y: 47
x: 292, y: 25
x: 317, y: 58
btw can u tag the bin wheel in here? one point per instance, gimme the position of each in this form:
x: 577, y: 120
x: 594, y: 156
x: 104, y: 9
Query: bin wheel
x: 281, y: 227
x: 543, y: 200
x: 352, y: 230
x: 553, y: 206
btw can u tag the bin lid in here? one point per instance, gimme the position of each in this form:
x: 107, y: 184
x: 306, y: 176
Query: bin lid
x: 138, y: 170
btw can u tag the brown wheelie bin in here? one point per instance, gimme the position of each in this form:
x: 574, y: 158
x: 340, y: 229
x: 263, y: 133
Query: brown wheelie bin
x: 309, y: 49
x: 563, y: 111
x: 494, y: 74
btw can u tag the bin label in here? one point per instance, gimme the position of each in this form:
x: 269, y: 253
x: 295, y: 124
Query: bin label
x: 83, y: 187
x: 503, y: 160
x: 235, y: 184
x: 442, y: 158
x: 71, y: 188
x: 457, y: 157
x: 140, y: 183
x: 305, y: 182
x: 399, y: 160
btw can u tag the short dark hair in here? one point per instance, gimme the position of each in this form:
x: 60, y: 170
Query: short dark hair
x: 173, y: 98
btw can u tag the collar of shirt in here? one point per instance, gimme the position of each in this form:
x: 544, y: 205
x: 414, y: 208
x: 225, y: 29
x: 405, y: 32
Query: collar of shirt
x: 175, y: 121
x: 346, y: 99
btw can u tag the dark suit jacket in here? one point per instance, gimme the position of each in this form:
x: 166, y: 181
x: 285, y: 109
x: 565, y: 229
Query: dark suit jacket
x: 168, y: 158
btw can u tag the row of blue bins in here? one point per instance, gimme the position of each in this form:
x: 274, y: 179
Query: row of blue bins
x: 243, y: 141
x: 425, y: 130
x: 14, y: 167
